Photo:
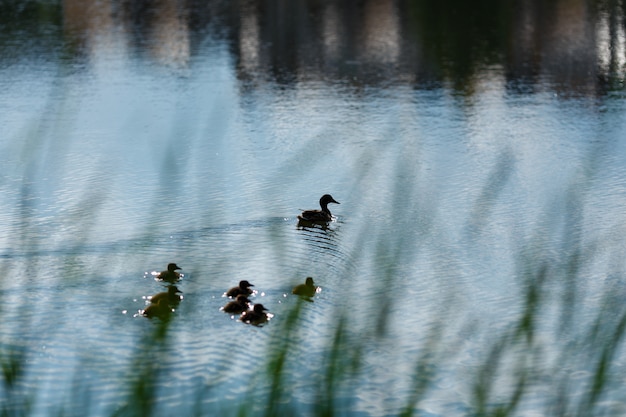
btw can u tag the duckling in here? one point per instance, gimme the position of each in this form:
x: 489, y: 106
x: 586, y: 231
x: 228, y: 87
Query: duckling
x: 308, y: 289
x: 170, y: 275
x: 242, y: 288
x: 161, y: 310
x: 238, y: 306
x: 171, y: 296
x: 256, y: 316
x: 319, y: 216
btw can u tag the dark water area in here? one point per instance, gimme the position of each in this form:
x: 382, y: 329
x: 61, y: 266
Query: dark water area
x: 474, y: 265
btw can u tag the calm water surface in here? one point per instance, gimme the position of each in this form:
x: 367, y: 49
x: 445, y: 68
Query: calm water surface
x: 122, y: 157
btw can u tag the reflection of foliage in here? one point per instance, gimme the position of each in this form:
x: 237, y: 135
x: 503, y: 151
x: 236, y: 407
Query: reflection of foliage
x: 449, y: 41
x: 458, y: 36
x: 16, y: 13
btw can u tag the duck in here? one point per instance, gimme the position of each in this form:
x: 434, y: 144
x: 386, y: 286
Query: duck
x: 161, y: 310
x: 171, y: 296
x: 238, y: 305
x: 308, y: 289
x: 256, y: 316
x: 319, y: 216
x: 170, y: 275
x: 242, y: 288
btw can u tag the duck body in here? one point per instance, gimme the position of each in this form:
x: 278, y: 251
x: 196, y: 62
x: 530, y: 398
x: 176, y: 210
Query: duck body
x: 237, y: 306
x: 161, y: 310
x: 256, y: 316
x: 308, y: 289
x: 170, y: 275
x: 319, y: 216
x: 171, y: 296
x: 242, y: 288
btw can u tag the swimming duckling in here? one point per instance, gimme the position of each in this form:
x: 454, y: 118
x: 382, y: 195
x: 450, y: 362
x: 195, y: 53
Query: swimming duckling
x: 170, y: 275
x: 242, y: 288
x: 256, y: 316
x: 319, y: 216
x: 308, y: 289
x: 161, y: 310
x: 171, y: 296
x: 237, y: 306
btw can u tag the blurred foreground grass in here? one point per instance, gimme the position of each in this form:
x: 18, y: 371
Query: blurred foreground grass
x: 574, y: 373
x: 550, y: 360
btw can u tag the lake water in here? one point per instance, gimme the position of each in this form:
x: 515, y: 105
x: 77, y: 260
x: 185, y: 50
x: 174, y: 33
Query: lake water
x: 134, y: 135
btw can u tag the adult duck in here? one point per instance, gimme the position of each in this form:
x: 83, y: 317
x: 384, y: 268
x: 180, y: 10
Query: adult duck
x: 242, y: 288
x: 308, y: 289
x: 256, y: 316
x: 171, y: 296
x: 170, y: 275
x: 238, y: 305
x: 319, y: 216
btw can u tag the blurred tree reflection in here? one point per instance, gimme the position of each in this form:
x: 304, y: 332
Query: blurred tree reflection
x: 576, y: 44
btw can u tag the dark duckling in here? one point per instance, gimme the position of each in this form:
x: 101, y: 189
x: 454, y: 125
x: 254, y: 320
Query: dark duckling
x: 161, y: 310
x: 308, y: 289
x: 170, y: 275
x: 256, y: 316
x: 319, y: 216
x: 237, y: 306
x: 242, y: 288
x: 171, y: 296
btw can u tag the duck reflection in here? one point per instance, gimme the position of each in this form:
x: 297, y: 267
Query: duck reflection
x: 242, y: 288
x: 321, y: 217
x: 239, y: 305
x: 171, y: 274
x: 306, y: 290
x: 257, y: 316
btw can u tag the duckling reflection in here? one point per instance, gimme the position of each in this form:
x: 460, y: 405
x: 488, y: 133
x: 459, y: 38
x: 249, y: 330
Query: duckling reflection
x: 170, y: 275
x: 323, y: 216
x: 257, y: 316
x: 171, y: 296
x: 161, y: 310
x: 308, y: 289
x: 242, y: 288
x: 238, y: 305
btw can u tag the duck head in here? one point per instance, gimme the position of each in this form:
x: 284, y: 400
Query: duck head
x: 258, y: 308
x: 242, y: 299
x: 173, y: 290
x: 327, y: 198
x: 245, y: 284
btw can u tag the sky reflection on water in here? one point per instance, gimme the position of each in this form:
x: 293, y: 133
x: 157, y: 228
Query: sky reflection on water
x: 135, y: 135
